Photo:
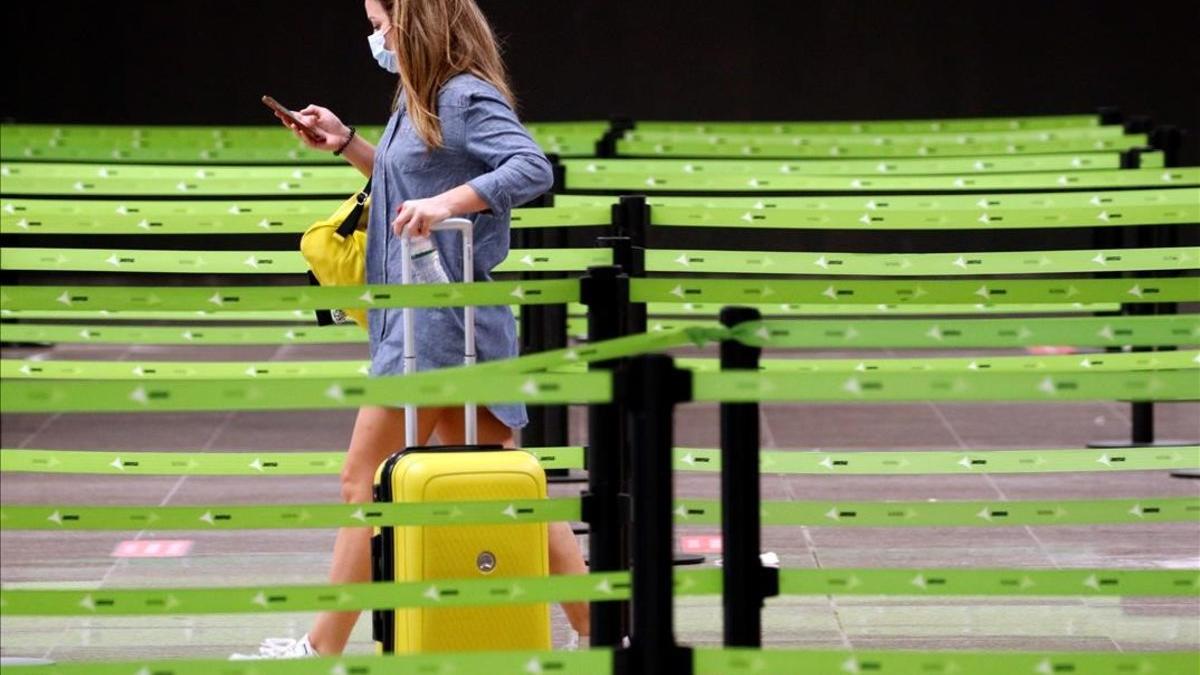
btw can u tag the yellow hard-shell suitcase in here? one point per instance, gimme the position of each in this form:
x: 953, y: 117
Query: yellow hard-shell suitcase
x: 426, y: 553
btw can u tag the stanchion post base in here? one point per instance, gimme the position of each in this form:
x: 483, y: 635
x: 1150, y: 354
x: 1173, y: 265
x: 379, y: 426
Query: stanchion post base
x: 678, y: 660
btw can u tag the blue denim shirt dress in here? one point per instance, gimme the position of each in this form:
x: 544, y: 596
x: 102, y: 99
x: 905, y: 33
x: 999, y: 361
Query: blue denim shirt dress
x: 486, y: 147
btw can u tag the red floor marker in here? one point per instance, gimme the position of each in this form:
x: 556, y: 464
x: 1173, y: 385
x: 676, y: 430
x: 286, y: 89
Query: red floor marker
x: 1051, y: 351
x: 153, y: 548
x: 705, y: 543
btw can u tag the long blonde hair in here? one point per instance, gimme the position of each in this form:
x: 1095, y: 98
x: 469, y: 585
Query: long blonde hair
x: 436, y: 40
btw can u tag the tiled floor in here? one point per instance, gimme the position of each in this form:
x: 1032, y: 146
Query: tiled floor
x: 51, y: 560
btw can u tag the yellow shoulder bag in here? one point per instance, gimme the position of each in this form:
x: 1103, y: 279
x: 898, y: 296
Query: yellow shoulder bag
x: 336, y: 251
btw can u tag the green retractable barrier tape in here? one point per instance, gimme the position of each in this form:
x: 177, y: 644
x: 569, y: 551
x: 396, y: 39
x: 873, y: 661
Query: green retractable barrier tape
x: 219, y: 152
x: 1180, y: 385
x: 918, y: 513
x: 660, y: 310
x: 1099, y: 209
x: 307, y: 394
x: 837, y: 291
x: 143, y: 217
x: 656, y: 309
x: 30, y: 396
x: 241, y: 517
x: 918, y: 138
x: 199, y: 335
x: 594, y: 661
x: 917, y: 264
x: 706, y: 661
x: 1100, y: 332
x: 578, y: 260
x: 268, y: 262
x: 776, y: 182
x: 788, y: 462
x: 597, y: 586
x: 298, y: 316
x: 962, y: 219
x: 1179, y: 196
x: 216, y: 145
x: 78, y: 180
x: 1145, y: 331
x: 241, y: 298
x: 909, y: 126
x: 181, y: 335
x: 266, y: 135
x: 803, y: 662
x: 783, y: 462
x: 859, y: 167
x: 999, y: 513
x: 830, y: 147
x: 134, y: 180
x: 1072, y: 363
x: 273, y: 463
x: 111, y: 370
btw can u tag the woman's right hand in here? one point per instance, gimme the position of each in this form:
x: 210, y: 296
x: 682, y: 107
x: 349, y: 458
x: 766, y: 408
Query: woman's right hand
x: 331, y: 128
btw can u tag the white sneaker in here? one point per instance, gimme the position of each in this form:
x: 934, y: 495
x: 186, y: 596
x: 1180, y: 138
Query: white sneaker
x: 280, y: 648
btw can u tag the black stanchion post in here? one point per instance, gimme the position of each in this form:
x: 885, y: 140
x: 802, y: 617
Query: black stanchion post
x: 631, y: 218
x: 1167, y: 138
x: 533, y: 322
x: 1110, y: 115
x: 605, y: 291
x: 631, y: 221
x: 1138, y: 124
x: 544, y: 327
x: 621, y: 124
x: 560, y: 174
x: 556, y: 418
x: 606, y: 145
x: 532, y: 338
x: 653, y: 386
x: 1142, y: 433
x: 746, y: 581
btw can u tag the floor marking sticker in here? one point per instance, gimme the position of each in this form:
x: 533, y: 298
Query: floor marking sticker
x: 153, y: 548
x: 705, y: 543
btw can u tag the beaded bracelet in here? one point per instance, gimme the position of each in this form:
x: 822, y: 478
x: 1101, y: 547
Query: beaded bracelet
x: 347, y: 143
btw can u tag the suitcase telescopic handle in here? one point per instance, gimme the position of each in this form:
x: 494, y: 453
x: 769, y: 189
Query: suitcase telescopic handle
x: 466, y: 229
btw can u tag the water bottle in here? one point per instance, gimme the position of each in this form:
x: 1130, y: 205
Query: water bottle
x: 426, y: 264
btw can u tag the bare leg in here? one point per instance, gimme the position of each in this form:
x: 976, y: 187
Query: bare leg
x: 565, y: 555
x: 567, y: 558
x: 378, y: 432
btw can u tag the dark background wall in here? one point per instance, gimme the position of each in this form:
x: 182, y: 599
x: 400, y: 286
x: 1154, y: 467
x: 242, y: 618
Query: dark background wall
x: 208, y: 62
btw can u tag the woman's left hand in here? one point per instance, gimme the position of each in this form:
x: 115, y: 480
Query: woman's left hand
x: 417, y: 216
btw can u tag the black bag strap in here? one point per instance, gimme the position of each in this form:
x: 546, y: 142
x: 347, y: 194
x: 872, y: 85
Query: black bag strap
x: 324, y: 316
x: 350, y: 224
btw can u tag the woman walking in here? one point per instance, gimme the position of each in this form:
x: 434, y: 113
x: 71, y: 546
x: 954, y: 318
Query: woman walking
x: 453, y: 147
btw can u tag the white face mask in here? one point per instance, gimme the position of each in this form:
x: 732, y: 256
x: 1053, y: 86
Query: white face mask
x: 385, y: 57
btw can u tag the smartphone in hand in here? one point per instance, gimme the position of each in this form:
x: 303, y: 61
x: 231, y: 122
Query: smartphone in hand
x: 305, y: 129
